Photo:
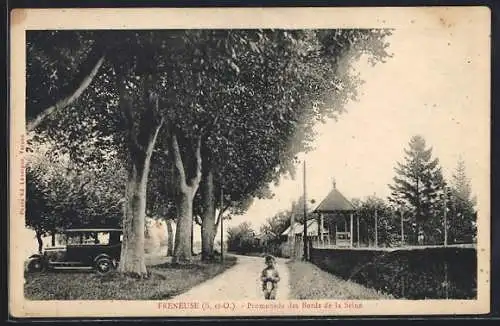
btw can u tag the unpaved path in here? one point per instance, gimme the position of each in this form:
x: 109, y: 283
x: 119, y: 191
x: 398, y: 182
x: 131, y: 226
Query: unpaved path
x: 241, y: 282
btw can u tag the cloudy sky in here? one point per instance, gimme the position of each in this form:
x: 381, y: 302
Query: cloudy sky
x: 436, y: 85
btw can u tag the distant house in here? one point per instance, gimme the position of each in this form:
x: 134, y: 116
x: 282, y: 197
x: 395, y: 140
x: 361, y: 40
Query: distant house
x: 298, y: 230
x: 293, y: 236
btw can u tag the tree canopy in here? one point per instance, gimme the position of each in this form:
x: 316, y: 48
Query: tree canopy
x: 235, y: 104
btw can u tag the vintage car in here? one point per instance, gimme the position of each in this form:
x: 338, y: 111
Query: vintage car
x: 97, y: 249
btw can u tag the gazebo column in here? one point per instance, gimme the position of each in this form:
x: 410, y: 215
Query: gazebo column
x: 321, y: 228
x: 336, y: 231
x: 351, y: 230
x: 357, y: 229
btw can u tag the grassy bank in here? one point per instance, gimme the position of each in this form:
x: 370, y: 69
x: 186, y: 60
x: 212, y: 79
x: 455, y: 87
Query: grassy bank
x: 307, y: 281
x: 165, y: 281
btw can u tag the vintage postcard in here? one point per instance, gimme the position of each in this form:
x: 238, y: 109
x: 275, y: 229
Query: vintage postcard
x: 249, y: 162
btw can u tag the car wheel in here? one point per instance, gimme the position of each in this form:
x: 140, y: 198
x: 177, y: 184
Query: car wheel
x: 104, y: 265
x: 35, y: 265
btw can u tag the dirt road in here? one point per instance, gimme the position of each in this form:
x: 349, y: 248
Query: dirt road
x: 241, y: 282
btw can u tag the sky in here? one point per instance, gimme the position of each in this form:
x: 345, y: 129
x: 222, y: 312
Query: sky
x: 435, y: 85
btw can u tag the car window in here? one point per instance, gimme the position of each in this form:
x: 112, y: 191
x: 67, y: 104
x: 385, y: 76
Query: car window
x: 73, y: 239
x: 103, y: 238
x: 90, y: 238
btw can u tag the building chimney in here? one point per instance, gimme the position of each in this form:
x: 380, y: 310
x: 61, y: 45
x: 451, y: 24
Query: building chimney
x: 334, y: 183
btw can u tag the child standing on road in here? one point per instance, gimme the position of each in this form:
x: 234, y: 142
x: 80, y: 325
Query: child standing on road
x: 270, y: 278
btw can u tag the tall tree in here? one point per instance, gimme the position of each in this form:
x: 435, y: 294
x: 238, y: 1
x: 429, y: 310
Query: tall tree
x: 63, y: 194
x: 282, y: 83
x: 124, y: 108
x: 462, y: 220
x: 419, y: 184
x: 258, y: 91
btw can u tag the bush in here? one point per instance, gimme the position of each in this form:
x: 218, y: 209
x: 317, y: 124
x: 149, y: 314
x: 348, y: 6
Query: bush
x: 432, y: 273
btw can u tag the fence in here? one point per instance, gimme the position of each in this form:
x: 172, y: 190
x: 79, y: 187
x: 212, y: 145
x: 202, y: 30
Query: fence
x: 431, y: 272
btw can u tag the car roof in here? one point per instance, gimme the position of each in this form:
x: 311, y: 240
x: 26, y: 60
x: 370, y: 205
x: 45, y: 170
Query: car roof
x: 93, y: 230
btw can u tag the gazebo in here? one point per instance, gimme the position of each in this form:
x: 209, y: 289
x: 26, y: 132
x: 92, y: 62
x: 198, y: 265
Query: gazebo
x: 339, y: 213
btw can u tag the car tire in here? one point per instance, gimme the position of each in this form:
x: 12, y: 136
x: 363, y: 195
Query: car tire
x: 35, y: 265
x: 104, y: 265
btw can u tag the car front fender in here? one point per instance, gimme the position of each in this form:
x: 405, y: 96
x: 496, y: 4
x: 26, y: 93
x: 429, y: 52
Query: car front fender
x: 36, y: 256
x: 102, y: 256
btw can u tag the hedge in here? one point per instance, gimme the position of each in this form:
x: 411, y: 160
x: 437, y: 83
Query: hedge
x: 427, y: 273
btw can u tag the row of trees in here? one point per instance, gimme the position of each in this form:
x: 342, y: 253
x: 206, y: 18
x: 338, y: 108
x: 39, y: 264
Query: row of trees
x: 415, y: 209
x: 61, y: 195
x: 201, y: 120
x: 425, y: 197
x: 243, y: 238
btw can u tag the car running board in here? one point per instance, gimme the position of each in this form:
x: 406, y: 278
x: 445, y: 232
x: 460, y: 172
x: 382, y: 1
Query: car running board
x: 72, y: 267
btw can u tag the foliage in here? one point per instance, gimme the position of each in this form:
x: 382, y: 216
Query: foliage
x: 62, y: 194
x: 276, y: 225
x: 423, y: 273
x: 461, y: 205
x: 419, y: 186
x: 57, y: 61
x: 250, y: 97
x: 388, y: 223
x: 241, y: 238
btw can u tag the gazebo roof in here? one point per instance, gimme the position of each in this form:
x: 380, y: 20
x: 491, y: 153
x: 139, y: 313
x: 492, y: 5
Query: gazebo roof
x: 334, y: 202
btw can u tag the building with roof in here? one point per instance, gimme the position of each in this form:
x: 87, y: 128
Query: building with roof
x: 336, y: 218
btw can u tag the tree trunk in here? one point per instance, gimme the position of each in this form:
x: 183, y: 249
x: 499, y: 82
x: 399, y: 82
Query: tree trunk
x: 184, y: 201
x: 132, y: 255
x: 182, y: 249
x: 53, y: 238
x: 208, y: 225
x: 170, y: 240
x: 40, y: 241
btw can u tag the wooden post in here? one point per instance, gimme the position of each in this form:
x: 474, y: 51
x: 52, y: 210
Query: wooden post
x: 291, y: 235
x: 351, y: 231
x: 445, y: 217
x: 321, y: 228
x: 221, y: 225
x: 335, y: 238
x: 357, y: 227
x: 305, y: 215
x: 402, y: 229
x: 376, y: 228
x: 329, y: 238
